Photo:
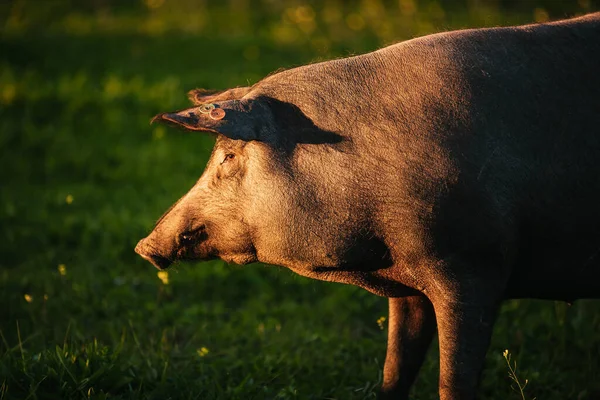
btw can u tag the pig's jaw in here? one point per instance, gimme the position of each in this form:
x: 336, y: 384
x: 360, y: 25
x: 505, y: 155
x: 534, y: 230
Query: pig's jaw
x: 240, y: 259
x: 240, y: 255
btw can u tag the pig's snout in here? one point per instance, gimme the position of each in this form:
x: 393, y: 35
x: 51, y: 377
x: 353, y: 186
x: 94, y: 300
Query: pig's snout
x: 149, y: 253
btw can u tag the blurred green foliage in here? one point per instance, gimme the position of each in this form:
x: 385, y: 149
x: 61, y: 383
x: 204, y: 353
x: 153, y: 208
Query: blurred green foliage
x: 84, y: 176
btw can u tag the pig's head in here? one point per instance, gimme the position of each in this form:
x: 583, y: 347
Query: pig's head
x: 251, y: 202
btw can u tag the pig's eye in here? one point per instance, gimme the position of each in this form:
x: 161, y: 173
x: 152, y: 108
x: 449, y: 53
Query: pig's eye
x: 228, y: 157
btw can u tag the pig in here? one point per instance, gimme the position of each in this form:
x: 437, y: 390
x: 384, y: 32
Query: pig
x: 446, y: 173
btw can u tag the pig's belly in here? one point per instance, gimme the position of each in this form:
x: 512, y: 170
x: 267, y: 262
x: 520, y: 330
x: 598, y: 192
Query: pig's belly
x: 558, y: 265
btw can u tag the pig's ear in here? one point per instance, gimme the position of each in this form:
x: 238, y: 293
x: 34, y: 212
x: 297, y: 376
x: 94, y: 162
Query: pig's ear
x: 236, y: 119
x: 203, y: 96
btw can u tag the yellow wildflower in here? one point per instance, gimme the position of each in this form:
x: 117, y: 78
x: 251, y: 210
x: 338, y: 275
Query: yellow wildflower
x: 164, y: 277
x: 381, y: 322
x: 202, y: 351
x: 62, y: 269
x: 28, y: 297
x: 69, y: 199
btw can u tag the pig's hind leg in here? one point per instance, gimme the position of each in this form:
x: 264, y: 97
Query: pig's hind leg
x: 411, y: 327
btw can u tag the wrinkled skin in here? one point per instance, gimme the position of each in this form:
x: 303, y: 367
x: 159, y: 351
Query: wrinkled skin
x: 447, y: 173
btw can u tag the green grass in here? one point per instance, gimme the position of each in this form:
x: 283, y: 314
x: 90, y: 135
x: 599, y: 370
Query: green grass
x: 84, y: 176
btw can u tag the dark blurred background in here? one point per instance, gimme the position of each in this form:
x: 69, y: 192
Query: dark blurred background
x: 84, y: 176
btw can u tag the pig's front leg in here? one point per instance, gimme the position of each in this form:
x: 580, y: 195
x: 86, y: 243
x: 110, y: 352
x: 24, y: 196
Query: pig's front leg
x: 411, y: 328
x: 465, y: 311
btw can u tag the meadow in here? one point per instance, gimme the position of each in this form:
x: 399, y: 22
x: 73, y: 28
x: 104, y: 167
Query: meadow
x: 84, y: 176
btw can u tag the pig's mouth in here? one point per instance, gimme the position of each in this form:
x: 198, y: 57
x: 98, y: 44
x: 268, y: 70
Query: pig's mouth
x: 158, y: 261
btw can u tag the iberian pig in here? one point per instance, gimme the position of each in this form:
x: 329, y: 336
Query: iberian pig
x: 447, y: 173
